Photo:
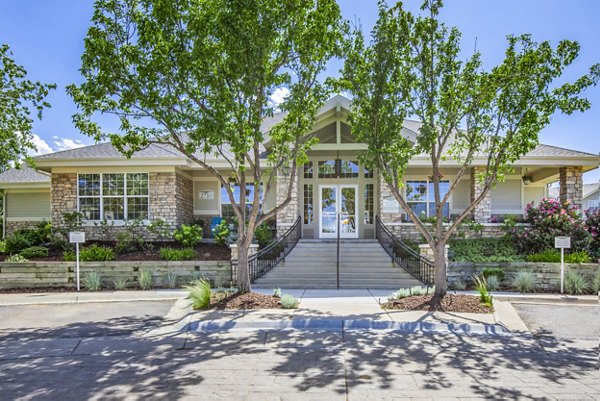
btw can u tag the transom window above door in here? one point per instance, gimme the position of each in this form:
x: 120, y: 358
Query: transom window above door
x: 338, y: 168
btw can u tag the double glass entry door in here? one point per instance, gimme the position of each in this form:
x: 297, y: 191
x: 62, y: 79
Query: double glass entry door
x: 338, y: 201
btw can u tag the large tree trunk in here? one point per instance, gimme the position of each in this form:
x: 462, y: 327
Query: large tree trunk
x: 440, y: 279
x: 243, y: 275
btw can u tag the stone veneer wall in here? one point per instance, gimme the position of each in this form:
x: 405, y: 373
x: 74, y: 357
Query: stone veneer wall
x: 483, y: 211
x: 410, y: 231
x: 12, y: 226
x: 171, y: 199
x: 571, y: 184
x: 287, y: 216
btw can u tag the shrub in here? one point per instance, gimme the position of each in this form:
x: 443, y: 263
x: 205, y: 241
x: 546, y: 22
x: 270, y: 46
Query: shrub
x: 484, y: 250
x: 592, y: 224
x: 125, y: 243
x: 401, y: 293
x: 69, y: 256
x: 120, y: 284
x: 575, y: 283
x: 199, y: 292
x: 289, y: 302
x: 481, y: 286
x: 418, y: 290
x: 92, y: 281
x: 34, y: 252
x: 553, y: 256
x: 263, y: 235
x: 17, y: 242
x: 160, y: 228
x: 2, y: 246
x: 43, y: 231
x: 170, y: 280
x: 493, y: 282
x: 173, y: 254
x: 596, y: 283
x: 221, y: 233
x: 16, y: 259
x: 524, y: 281
x: 188, y: 235
x: 96, y: 253
x: 145, y: 279
x: 548, y: 220
x: 493, y: 272
x: 105, y: 228
x: 458, y: 285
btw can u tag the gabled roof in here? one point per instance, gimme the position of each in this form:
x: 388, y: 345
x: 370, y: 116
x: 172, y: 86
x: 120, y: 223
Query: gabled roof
x: 542, y: 150
x: 24, y: 177
x: 107, y: 151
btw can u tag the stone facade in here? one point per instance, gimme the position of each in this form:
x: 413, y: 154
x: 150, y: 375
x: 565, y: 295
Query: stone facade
x: 411, y: 232
x: 12, y: 226
x: 170, y: 198
x: 571, y: 184
x: 288, y: 215
x: 483, y: 211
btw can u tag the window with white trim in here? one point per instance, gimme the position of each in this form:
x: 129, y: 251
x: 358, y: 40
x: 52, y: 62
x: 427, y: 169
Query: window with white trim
x: 113, y: 196
x: 421, y: 198
x: 226, y: 206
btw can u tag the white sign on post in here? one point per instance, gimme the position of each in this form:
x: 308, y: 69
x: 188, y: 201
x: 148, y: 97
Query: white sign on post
x: 562, y: 243
x: 77, y: 237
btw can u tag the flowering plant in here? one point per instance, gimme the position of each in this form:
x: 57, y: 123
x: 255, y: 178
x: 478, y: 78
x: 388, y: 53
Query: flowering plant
x: 592, y: 224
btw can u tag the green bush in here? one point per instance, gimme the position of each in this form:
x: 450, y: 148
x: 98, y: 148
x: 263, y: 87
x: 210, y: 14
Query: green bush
x: 221, y: 233
x: 125, y: 242
x: 120, y: 284
x: 575, y: 283
x: 69, y: 256
x: 145, y: 279
x: 199, y: 292
x: 96, y: 253
x: 596, y: 283
x: 16, y: 259
x: 263, y: 235
x: 592, y: 224
x: 553, y: 256
x: 17, y: 242
x: 524, y: 281
x: 497, y: 272
x: 188, y: 235
x: 2, y: 246
x: 289, y: 301
x: 92, y: 281
x: 174, y: 255
x: 484, y: 250
x: 34, y: 252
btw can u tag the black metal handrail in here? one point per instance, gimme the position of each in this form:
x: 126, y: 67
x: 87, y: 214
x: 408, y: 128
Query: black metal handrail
x: 406, y: 257
x: 270, y: 256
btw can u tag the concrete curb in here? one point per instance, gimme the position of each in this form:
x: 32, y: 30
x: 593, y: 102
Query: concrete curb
x: 87, y: 297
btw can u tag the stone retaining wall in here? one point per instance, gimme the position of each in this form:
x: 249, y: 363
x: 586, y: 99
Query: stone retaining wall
x: 410, y: 231
x: 62, y: 274
x: 548, y: 274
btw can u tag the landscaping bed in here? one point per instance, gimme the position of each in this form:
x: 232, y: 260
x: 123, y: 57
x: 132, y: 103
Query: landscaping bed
x: 249, y: 300
x: 448, y: 303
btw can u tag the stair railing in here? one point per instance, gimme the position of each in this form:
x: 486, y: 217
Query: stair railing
x: 417, y: 266
x: 270, y: 256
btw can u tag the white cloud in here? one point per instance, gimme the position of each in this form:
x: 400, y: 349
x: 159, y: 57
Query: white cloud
x: 279, y: 96
x: 66, y: 143
x: 41, y: 146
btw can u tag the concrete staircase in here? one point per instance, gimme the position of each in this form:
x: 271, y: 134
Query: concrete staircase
x: 312, y: 264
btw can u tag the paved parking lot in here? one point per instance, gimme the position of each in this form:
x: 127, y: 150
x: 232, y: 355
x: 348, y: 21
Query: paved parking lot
x: 104, y: 363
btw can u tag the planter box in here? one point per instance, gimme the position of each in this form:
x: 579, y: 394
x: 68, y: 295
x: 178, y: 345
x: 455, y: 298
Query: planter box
x: 62, y: 274
x: 547, y: 274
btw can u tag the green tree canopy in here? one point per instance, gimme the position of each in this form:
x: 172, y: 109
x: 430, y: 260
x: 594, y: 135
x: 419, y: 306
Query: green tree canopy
x: 469, y: 114
x: 197, y: 75
x: 19, y: 98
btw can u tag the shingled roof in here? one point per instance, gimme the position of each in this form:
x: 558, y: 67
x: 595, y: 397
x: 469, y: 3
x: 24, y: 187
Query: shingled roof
x: 23, y: 175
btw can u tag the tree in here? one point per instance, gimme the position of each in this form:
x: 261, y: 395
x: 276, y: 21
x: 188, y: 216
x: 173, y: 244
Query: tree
x: 197, y: 75
x: 475, y: 117
x: 18, y: 98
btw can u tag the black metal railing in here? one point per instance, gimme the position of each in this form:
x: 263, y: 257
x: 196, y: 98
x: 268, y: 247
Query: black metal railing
x: 406, y: 257
x: 270, y: 256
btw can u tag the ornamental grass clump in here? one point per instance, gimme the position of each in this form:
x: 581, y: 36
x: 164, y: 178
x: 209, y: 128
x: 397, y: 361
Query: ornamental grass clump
x: 145, y: 279
x: 493, y: 283
x: 596, y: 283
x: 575, y: 283
x: 418, y: 290
x: 481, y: 286
x: 120, y: 284
x: 524, y: 281
x: 92, y: 281
x: 170, y: 280
x: 289, y: 301
x: 199, y: 292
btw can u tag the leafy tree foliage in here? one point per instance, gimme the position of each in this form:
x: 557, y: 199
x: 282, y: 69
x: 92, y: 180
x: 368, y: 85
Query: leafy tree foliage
x: 476, y: 117
x: 197, y: 75
x: 19, y: 97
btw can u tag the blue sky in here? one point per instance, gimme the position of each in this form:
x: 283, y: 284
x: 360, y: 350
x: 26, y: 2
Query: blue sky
x: 47, y: 38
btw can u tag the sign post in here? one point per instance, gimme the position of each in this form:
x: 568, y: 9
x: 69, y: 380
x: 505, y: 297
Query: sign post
x: 77, y: 237
x: 562, y: 243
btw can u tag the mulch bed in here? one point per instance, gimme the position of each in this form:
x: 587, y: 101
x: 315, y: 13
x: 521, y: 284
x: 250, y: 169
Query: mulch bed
x: 249, y: 300
x: 448, y: 303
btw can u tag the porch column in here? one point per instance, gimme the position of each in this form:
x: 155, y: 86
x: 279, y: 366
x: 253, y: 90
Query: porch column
x: 286, y: 216
x: 482, y: 212
x: 571, y: 184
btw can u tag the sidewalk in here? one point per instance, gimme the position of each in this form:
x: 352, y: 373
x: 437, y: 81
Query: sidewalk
x: 89, y: 297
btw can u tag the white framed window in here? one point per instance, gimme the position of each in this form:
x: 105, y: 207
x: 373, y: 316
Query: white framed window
x: 226, y: 206
x: 113, y: 196
x: 421, y: 198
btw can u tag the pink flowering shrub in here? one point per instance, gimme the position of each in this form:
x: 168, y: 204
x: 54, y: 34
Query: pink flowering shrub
x: 592, y: 224
x: 550, y: 219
